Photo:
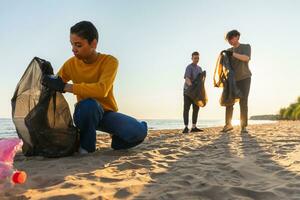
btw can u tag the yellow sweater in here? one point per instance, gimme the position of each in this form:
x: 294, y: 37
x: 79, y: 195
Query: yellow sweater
x: 92, y: 80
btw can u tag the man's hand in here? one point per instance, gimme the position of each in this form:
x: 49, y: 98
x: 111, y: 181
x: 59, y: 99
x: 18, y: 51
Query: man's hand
x: 53, y: 82
x: 188, y: 81
x: 227, y: 52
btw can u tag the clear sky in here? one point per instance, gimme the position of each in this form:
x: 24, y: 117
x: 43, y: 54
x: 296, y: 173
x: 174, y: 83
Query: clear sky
x: 153, y: 41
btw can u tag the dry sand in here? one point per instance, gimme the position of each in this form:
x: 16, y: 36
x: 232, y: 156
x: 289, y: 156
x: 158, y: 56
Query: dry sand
x: 264, y: 164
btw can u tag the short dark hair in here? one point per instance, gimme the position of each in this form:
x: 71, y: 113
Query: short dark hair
x: 195, y: 53
x: 86, y: 30
x: 231, y: 34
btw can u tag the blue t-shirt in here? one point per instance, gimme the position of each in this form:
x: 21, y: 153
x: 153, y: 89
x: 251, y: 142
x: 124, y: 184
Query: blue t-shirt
x: 191, y: 72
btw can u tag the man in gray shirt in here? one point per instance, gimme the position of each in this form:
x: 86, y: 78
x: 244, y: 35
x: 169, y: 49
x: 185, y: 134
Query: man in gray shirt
x: 239, y: 56
x: 191, y: 72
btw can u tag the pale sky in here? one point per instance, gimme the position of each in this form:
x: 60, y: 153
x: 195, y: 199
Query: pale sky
x: 153, y: 41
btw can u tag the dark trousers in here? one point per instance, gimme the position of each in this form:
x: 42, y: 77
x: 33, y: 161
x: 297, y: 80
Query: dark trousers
x: 126, y: 131
x: 244, y: 87
x: 186, y: 109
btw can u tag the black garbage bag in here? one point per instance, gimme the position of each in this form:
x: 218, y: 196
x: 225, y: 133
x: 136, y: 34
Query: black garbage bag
x: 42, y: 116
x: 197, y: 90
x: 224, y: 78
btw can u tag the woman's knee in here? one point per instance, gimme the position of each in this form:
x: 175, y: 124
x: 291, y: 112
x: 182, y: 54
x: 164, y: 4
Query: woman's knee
x: 87, y: 110
x: 136, y: 132
x: 133, y: 137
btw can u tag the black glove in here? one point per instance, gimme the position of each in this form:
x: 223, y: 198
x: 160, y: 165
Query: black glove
x: 53, y: 82
x: 227, y: 52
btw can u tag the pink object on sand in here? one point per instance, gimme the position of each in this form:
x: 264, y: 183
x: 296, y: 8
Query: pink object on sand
x: 8, y: 149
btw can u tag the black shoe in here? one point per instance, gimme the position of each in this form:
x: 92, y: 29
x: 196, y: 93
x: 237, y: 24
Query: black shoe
x: 185, y: 130
x: 196, y: 130
x: 227, y: 128
x: 244, y: 130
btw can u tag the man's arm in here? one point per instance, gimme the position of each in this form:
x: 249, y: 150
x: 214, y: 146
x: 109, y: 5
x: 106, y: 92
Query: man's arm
x: 187, y: 75
x: 241, y: 57
x: 245, y: 54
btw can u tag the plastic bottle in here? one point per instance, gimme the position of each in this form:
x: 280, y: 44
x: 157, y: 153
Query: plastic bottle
x: 8, y: 176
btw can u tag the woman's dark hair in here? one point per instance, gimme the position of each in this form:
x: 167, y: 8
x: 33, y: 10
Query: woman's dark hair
x: 195, y: 53
x: 86, y: 30
x: 231, y: 34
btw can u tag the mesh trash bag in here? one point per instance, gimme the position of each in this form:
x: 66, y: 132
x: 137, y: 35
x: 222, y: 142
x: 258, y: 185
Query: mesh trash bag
x: 42, y: 116
x: 197, y: 90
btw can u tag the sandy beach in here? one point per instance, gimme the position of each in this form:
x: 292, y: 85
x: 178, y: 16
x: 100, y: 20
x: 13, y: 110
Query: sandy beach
x: 264, y: 164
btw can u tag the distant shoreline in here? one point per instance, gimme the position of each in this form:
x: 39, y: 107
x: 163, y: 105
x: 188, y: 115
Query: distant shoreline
x: 265, y: 117
x: 7, y: 128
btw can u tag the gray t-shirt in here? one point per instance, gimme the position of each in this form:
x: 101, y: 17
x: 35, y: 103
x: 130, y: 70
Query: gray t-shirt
x: 191, y: 72
x: 241, y: 68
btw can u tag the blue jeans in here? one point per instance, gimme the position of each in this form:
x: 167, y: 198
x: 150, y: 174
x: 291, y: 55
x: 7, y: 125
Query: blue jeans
x: 126, y: 131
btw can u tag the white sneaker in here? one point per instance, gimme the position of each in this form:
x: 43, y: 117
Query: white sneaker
x: 82, y: 151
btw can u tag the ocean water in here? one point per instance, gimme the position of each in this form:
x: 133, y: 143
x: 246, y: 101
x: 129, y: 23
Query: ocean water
x: 7, y: 128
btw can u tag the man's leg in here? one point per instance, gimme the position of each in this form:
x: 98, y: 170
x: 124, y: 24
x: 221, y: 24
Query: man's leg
x: 186, y: 109
x: 228, y: 118
x: 244, y: 86
x: 228, y: 115
x: 126, y: 131
x: 194, y: 118
x: 88, y: 113
x: 195, y: 114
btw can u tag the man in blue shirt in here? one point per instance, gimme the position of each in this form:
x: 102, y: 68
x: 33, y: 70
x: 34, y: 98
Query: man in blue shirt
x: 191, y: 72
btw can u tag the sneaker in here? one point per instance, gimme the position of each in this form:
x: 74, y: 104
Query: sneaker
x: 227, y: 128
x: 82, y: 151
x: 244, y: 130
x: 185, y: 130
x: 196, y: 130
